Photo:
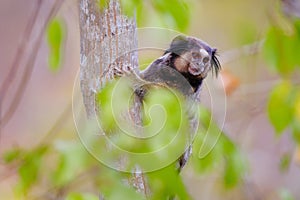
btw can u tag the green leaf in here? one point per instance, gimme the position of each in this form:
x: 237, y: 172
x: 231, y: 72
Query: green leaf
x: 30, y: 169
x: 297, y: 43
x: 79, y: 196
x: 297, y: 105
x: 281, y: 51
x: 54, y: 33
x: 12, y: 155
x: 54, y: 60
x: 113, y: 101
x: 296, y: 131
x: 205, y: 117
x: 212, y: 133
x: 279, y: 107
x: 234, y: 172
x: 271, y: 48
x: 296, y: 134
x: 207, y: 141
x: 220, y: 147
x: 285, y: 162
x: 55, y: 38
x: 296, y: 122
x: 73, y: 159
x: 102, y: 4
x: 209, y: 162
x: 112, y: 186
x: 166, y: 182
x: 174, y: 12
x: 131, y: 6
x: 235, y: 166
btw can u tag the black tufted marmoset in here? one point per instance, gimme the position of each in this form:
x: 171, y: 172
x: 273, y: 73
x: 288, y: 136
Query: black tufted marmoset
x: 183, y: 66
x: 190, y: 57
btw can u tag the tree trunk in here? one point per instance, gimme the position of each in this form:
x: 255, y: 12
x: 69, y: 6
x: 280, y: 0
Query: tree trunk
x: 108, y: 43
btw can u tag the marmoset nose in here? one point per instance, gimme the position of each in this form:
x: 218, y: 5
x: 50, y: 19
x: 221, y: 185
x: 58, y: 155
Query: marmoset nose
x: 204, y: 56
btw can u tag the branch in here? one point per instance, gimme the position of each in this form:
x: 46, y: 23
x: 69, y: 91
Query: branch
x: 9, y: 79
x: 28, y: 69
x: 234, y: 54
x: 20, y: 51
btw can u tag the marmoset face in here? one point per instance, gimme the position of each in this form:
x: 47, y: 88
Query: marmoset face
x: 193, y: 58
x: 196, y: 62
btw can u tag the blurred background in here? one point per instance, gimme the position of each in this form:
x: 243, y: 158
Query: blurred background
x: 258, y: 46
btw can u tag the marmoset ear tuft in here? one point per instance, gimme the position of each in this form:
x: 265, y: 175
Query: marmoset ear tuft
x: 216, y: 66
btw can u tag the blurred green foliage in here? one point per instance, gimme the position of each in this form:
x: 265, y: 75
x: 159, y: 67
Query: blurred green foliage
x: 30, y: 165
x: 166, y: 182
x: 281, y: 50
x: 285, y: 162
x: 68, y: 165
x: 285, y: 195
x: 79, y: 196
x: 61, y: 164
x: 163, y: 118
x: 173, y: 14
x: 280, y: 106
x: 52, y: 169
x: 223, y: 152
x: 55, y: 38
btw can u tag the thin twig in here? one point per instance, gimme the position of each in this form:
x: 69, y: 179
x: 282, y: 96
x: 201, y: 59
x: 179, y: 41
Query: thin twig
x: 20, y: 52
x: 234, y: 54
x: 29, y: 68
x: 78, y: 179
x: 61, y: 120
x: 54, y: 129
x: 9, y: 79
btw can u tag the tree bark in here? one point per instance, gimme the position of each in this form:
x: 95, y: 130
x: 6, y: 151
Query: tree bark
x: 108, y: 44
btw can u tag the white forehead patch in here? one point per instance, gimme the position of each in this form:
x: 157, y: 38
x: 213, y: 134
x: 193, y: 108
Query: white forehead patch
x: 204, y: 53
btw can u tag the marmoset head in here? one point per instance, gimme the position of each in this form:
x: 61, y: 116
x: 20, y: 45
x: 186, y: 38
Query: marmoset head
x: 189, y: 56
x: 193, y: 57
